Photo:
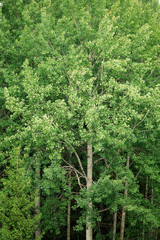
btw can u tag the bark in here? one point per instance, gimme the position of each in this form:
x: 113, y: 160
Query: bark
x: 152, y: 195
x: 146, y: 190
x: 152, y: 233
x: 37, y: 200
x: 124, y: 208
x: 143, y: 234
x: 89, y: 184
x: 155, y: 233
x: 69, y: 212
x: 114, y: 225
x: 69, y: 221
x: 123, y: 223
x: 114, y: 221
x: 145, y: 196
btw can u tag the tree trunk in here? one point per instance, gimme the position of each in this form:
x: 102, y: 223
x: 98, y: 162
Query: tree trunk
x: 114, y: 221
x: 145, y: 196
x: 69, y: 212
x: 37, y: 200
x: 124, y: 208
x: 156, y: 234
x: 114, y: 225
x: 89, y: 184
x: 152, y: 195
x: 146, y: 190
x: 152, y: 199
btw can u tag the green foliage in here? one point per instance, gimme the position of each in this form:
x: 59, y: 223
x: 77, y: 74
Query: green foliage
x: 55, y: 199
x: 16, y: 201
x: 74, y: 72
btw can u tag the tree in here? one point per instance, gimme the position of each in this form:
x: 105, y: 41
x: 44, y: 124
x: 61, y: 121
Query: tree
x: 16, y: 201
x: 87, y: 87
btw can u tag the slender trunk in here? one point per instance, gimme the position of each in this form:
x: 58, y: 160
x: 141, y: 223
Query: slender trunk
x: 146, y: 190
x: 114, y: 221
x: 114, y: 225
x: 152, y: 199
x: 69, y: 212
x: 152, y: 195
x: 69, y: 221
x: 143, y: 234
x: 124, y: 208
x: 156, y: 234
x: 89, y: 184
x: 37, y: 200
x: 152, y: 233
x: 145, y: 196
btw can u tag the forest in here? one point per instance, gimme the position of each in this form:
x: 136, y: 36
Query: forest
x: 80, y: 120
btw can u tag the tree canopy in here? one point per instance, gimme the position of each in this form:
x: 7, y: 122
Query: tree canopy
x: 80, y: 114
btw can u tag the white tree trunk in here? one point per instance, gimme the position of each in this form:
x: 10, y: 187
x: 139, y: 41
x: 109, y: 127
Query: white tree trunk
x: 89, y: 184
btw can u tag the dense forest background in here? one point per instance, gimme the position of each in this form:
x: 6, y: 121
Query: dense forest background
x: 80, y: 120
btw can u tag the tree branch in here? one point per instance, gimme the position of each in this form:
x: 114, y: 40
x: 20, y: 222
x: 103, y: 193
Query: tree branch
x: 74, y: 169
x: 142, y: 118
x: 79, y: 161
